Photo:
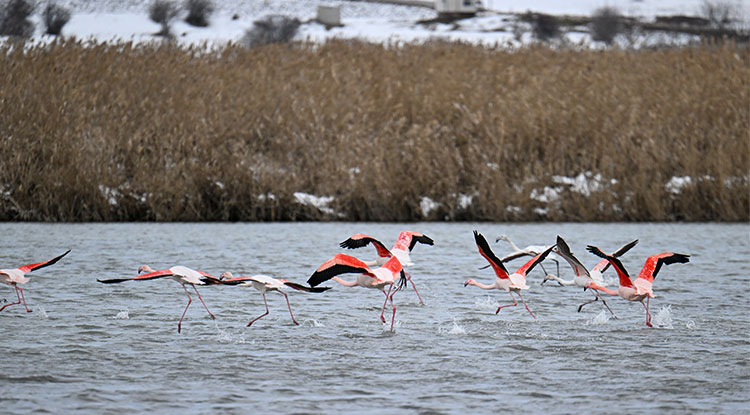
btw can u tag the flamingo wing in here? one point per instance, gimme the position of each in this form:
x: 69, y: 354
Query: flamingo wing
x: 534, y: 261
x: 410, y: 239
x: 149, y: 276
x: 486, y: 252
x: 622, y: 273
x: 654, y: 263
x: 564, y: 250
x: 38, y: 265
x: 359, y: 240
x: 305, y: 288
x: 339, y: 264
x: 604, y: 264
x: 514, y: 255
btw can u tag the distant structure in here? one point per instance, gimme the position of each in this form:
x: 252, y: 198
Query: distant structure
x: 329, y: 16
x: 457, y: 7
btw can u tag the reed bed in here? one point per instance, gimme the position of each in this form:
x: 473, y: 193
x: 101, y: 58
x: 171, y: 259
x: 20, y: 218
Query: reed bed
x: 125, y: 132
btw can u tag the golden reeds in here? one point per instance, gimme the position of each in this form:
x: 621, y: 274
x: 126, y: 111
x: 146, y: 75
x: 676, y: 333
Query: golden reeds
x: 103, y: 132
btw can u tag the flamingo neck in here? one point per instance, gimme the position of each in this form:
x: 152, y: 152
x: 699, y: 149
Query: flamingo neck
x: 482, y: 286
x: 344, y: 282
x: 596, y: 286
x: 561, y: 281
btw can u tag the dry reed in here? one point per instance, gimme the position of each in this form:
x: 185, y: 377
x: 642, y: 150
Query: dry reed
x: 110, y: 132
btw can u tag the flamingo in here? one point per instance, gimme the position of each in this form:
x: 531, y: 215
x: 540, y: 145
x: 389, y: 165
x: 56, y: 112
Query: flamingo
x: 509, y: 282
x: 378, y: 278
x: 265, y: 283
x: 531, y: 250
x: 585, y: 278
x: 179, y: 273
x: 404, y: 244
x: 639, y: 289
x: 16, y: 276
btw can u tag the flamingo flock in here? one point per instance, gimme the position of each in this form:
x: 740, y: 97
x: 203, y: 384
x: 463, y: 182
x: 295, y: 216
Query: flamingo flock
x: 387, y: 274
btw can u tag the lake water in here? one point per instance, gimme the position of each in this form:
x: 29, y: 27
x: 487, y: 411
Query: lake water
x: 93, y: 348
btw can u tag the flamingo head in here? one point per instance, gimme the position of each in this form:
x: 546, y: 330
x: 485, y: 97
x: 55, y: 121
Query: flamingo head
x: 225, y: 275
x: 502, y: 238
x: 144, y: 268
x: 549, y: 277
x: 468, y: 282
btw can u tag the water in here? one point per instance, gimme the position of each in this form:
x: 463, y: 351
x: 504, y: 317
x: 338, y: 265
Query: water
x: 96, y: 348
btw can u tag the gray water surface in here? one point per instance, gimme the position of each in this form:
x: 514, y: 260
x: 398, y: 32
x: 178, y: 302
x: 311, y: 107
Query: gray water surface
x: 94, y: 348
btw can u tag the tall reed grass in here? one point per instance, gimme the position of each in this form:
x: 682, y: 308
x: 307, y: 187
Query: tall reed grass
x: 110, y: 132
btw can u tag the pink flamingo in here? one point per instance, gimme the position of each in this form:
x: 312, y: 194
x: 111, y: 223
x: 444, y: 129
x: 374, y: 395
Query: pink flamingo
x: 639, y: 289
x: 401, y: 249
x: 179, y: 273
x: 16, y: 276
x: 509, y: 282
x: 585, y: 278
x: 265, y: 283
x: 378, y: 278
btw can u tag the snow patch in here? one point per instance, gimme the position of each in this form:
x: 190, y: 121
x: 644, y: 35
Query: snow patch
x: 676, y: 183
x: 112, y: 195
x: 427, y: 205
x: 318, y: 202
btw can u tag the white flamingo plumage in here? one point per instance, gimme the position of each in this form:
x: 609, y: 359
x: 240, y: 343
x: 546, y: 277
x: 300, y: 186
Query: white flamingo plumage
x: 530, y: 250
x: 179, y: 273
x: 505, y: 281
x: 401, y: 249
x: 390, y: 273
x: 640, y: 288
x: 584, y: 278
x: 15, y: 276
x: 265, y: 283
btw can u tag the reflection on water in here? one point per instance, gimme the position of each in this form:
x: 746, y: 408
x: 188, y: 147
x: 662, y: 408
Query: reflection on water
x: 94, y: 348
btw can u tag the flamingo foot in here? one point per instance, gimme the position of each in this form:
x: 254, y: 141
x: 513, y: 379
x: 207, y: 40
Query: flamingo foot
x: 648, y: 323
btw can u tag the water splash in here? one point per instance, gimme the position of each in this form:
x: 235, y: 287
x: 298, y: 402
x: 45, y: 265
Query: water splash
x: 456, y: 329
x: 486, y: 302
x: 387, y: 325
x: 313, y: 323
x: 663, y: 318
x: 690, y: 325
x: 41, y: 312
x: 226, y: 336
x: 599, y: 319
x: 122, y: 315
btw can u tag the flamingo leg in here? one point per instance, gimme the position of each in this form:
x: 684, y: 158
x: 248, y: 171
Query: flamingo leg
x: 607, y: 305
x: 264, y: 314
x: 596, y: 297
x: 525, y: 305
x: 393, y: 318
x: 24, y: 299
x: 408, y: 277
x: 190, y: 300
x: 17, y: 302
x: 515, y: 303
x: 204, y: 304
x: 382, y: 311
x: 290, y: 307
x: 648, y: 315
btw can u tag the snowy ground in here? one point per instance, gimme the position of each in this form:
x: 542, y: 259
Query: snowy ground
x: 107, y: 20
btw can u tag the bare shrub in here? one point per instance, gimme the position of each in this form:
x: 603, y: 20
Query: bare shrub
x: 55, y: 17
x: 272, y: 29
x: 198, y: 12
x: 14, y: 20
x: 606, y: 24
x: 719, y: 12
x: 544, y: 26
x: 163, y: 12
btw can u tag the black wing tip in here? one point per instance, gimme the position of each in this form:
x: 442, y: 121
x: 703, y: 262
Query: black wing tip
x: 113, y: 280
x: 681, y: 258
x: 596, y: 251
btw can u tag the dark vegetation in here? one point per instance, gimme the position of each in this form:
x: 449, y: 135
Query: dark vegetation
x: 163, y: 12
x: 107, y: 132
x: 55, y: 17
x: 198, y: 12
x: 14, y: 18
